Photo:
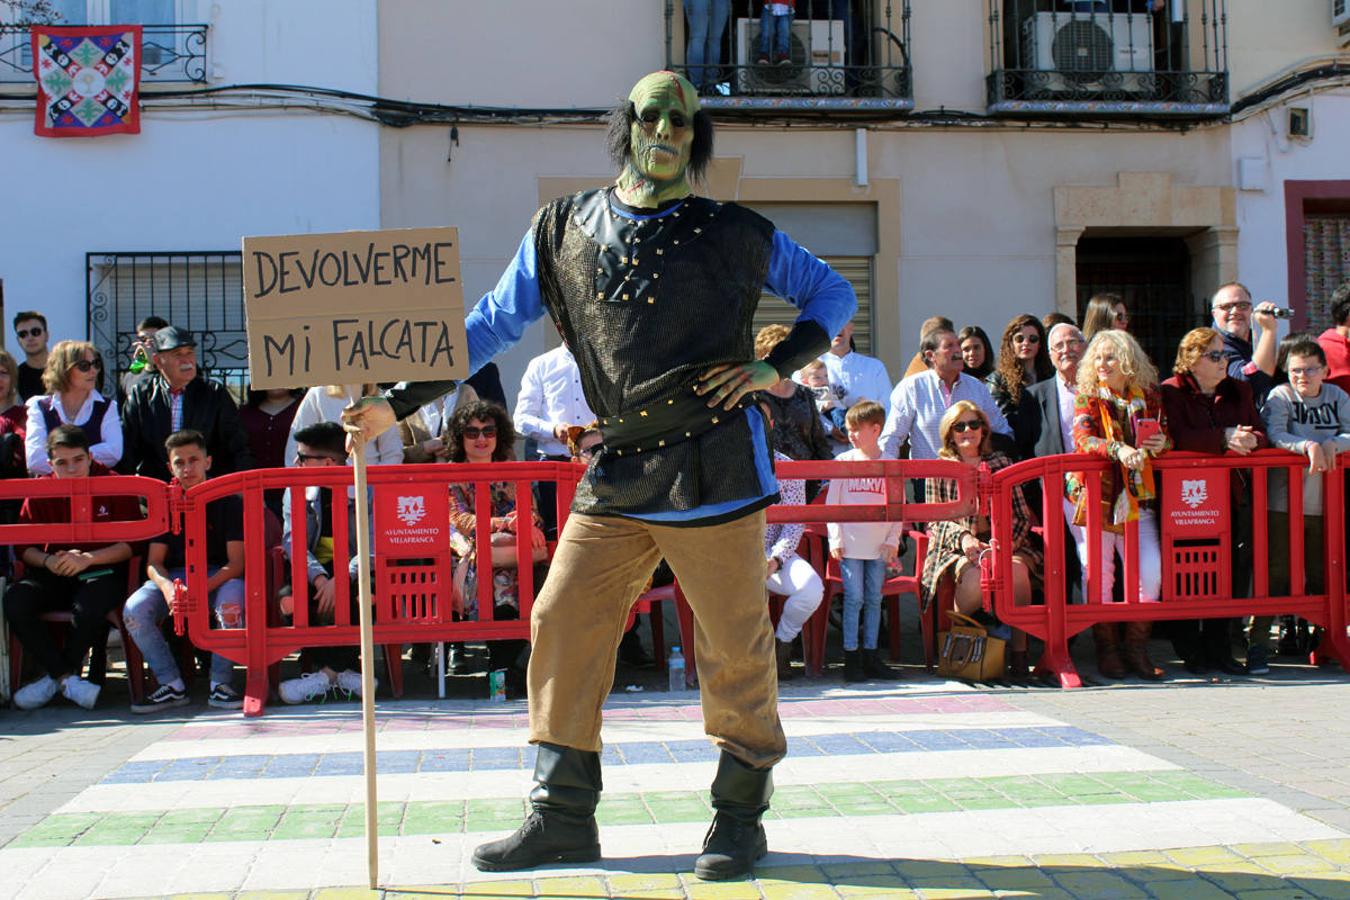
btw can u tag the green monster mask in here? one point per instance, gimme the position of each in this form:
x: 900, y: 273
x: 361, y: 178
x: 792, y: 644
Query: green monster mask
x: 662, y: 136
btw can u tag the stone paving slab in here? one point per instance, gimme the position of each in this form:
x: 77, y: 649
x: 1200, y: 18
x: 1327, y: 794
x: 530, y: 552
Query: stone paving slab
x: 923, y: 789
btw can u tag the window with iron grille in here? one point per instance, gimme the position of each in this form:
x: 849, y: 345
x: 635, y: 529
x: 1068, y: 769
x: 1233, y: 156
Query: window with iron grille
x: 1128, y: 57
x: 838, y: 54
x: 199, y: 291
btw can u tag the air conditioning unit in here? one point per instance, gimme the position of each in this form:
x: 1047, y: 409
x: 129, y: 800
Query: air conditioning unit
x: 1340, y: 20
x: 1101, y: 52
x: 816, y: 66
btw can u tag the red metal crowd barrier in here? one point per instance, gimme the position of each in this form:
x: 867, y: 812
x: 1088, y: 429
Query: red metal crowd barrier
x: 1195, y: 522
x: 413, y: 591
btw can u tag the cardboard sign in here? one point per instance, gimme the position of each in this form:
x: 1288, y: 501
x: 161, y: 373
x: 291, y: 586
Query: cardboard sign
x: 1195, y: 503
x: 354, y: 307
x: 411, y: 520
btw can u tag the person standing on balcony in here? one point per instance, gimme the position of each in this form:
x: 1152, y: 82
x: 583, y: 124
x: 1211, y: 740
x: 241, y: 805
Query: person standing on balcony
x: 655, y: 289
x: 775, y: 32
x: 706, y: 21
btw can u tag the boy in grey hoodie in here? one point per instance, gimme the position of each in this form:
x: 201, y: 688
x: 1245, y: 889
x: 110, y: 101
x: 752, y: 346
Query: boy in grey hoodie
x: 1311, y: 417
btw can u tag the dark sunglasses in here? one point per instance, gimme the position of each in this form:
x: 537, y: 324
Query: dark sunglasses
x: 1026, y: 339
x: 1214, y: 355
x: 35, y: 331
x: 85, y: 365
x: 963, y: 427
x: 314, y: 457
x: 473, y: 432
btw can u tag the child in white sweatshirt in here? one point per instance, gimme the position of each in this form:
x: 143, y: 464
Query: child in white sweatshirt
x: 863, y: 549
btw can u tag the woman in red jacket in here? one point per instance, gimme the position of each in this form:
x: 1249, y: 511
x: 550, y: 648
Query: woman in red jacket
x: 1210, y: 412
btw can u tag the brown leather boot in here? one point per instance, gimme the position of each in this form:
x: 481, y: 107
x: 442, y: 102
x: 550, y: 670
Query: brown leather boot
x: 1136, y: 651
x: 1107, y: 636
x: 784, y: 654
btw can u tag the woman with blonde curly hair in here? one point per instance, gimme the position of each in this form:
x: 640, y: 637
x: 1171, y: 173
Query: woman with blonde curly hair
x: 1023, y: 360
x: 955, y: 546
x: 73, y: 374
x: 1118, y: 415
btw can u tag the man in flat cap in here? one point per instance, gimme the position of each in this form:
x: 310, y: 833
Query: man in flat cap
x: 178, y: 397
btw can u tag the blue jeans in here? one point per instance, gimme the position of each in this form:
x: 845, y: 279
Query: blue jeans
x: 147, y: 607
x: 706, y: 20
x: 863, y: 579
x: 774, y: 32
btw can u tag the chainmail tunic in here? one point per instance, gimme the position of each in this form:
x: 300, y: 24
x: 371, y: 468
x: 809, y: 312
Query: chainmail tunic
x: 646, y: 305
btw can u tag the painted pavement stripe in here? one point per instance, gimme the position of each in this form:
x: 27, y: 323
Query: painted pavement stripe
x: 911, y: 843
x: 513, y: 784
x: 477, y: 759
x: 623, y: 731
x: 336, y: 720
x: 857, y: 798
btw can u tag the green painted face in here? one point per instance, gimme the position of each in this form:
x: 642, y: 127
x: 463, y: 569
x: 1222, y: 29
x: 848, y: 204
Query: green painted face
x: 662, y: 138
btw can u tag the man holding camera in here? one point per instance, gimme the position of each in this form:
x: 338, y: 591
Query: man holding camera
x: 1233, y: 315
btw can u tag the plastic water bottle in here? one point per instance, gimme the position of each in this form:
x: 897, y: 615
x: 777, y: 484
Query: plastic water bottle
x: 675, y: 668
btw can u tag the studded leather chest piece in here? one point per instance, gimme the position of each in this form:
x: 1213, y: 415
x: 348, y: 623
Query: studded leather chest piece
x: 633, y: 252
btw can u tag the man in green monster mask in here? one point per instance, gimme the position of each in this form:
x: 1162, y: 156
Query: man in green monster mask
x: 654, y: 290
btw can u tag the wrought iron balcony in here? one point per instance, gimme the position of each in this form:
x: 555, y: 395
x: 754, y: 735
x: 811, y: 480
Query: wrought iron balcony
x: 170, y: 54
x: 841, y: 56
x: 1109, y: 57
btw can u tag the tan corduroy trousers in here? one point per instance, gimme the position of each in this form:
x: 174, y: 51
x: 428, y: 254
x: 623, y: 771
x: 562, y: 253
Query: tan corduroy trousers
x: 601, y: 564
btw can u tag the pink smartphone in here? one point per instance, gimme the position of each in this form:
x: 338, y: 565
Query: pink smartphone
x: 1145, y: 429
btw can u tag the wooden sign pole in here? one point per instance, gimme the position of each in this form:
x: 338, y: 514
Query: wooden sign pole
x: 367, y: 654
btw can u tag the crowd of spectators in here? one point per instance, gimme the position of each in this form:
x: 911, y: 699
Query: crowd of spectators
x: 1050, y: 387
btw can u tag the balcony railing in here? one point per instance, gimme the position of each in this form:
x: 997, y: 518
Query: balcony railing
x: 1109, y: 57
x: 170, y: 54
x: 841, y: 55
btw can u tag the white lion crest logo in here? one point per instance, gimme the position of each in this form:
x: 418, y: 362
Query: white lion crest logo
x: 1194, y: 492
x: 411, y: 510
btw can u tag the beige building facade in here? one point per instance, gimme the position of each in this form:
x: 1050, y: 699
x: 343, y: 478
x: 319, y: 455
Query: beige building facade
x: 965, y: 176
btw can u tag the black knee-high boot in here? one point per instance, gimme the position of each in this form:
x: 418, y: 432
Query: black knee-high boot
x: 561, y: 825
x: 736, y: 839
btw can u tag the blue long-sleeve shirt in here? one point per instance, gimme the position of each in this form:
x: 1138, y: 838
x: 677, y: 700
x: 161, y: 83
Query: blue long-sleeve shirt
x: 499, y: 319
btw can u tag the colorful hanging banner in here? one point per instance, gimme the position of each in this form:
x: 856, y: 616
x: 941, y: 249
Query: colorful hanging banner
x: 88, y: 79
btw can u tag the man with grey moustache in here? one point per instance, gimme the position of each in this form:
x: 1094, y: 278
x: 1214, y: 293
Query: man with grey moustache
x: 178, y: 398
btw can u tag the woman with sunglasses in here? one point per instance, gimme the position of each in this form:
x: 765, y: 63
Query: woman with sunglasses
x: 72, y: 377
x: 953, y: 559
x: 1105, y: 311
x: 1118, y: 414
x: 1209, y: 412
x: 481, y: 433
x: 1023, y: 360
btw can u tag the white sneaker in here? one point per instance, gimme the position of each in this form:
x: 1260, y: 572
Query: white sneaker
x: 350, y: 682
x: 305, y: 688
x: 81, y: 692
x: 36, y: 694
